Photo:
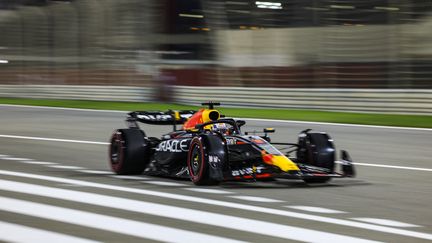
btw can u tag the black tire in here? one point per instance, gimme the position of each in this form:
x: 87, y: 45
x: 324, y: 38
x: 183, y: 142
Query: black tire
x: 128, y: 152
x: 317, y: 149
x: 198, y: 164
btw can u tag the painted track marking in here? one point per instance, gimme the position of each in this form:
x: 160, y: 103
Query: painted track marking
x: 251, y: 119
x: 315, y: 209
x: 178, y: 213
x: 256, y: 199
x: 207, y: 190
x: 96, y: 172
x: 385, y: 222
x: 104, y: 143
x: 38, y: 162
x: 339, y: 124
x: 163, y: 183
x: 239, y: 206
x: 62, y: 108
x: 52, y: 139
x: 24, y: 234
x: 113, y: 224
x: 66, y: 167
x: 15, y: 159
x: 127, y: 177
x: 394, y: 167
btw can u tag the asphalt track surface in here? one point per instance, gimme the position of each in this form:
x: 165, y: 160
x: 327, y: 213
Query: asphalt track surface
x: 62, y: 190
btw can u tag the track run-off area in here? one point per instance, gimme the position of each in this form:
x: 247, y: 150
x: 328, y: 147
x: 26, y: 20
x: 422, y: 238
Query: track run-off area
x: 56, y: 186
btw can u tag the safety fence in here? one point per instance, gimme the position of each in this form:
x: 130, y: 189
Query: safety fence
x: 410, y: 101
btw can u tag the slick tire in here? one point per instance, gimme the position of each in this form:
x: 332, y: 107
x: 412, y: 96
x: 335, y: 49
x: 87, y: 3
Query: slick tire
x: 320, y: 152
x: 198, y: 164
x: 128, y: 152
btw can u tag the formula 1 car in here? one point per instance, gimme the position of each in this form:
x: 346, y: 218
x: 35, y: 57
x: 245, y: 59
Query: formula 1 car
x: 210, y: 149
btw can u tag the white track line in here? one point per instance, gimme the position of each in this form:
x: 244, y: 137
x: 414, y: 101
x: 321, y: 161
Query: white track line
x: 62, y: 108
x: 206, y: 190
x: 66, y: 167
x: 108, y: 223
x: 385, y: 222
x: 178, y: 213
x: 251, y: 119
x: 256, y: 199
x: 52, y: 139
x: 163, y: 183
x: 23, y: 234
x: 104, y: 143
x: 240, y: 206
x: 127, y: 177
x: 394, y: 167
x: 315, y: 209
x: 39, y: 163
x: 96, y: 172
x: 339, y: 124
x: 15, y: 159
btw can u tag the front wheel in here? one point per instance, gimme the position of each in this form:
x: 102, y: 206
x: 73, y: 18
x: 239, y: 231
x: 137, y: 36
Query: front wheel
x: 198, y: 164
x: 316, y: 149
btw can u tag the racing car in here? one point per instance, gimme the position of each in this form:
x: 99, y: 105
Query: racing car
x: 210, y: 148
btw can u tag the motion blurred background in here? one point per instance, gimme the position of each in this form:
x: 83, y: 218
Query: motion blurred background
x: 166, y: 46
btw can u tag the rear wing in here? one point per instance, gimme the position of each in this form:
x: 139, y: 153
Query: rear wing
x: 160, y: 117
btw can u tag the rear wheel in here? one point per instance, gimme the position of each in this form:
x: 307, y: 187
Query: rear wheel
x: 129, y: 152
x: 198, y: 164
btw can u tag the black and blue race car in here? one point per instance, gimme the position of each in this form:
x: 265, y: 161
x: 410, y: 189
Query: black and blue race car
x: 210, y: 149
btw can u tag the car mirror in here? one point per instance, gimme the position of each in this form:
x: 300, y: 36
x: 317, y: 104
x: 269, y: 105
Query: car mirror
x: 240, y: 123
x: 269, y: 130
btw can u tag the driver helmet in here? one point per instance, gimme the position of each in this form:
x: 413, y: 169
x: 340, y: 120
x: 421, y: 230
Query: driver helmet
x: 220, y: 127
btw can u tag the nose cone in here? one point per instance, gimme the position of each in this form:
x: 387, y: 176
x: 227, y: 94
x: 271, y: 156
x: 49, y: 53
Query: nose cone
x: 280, y: 161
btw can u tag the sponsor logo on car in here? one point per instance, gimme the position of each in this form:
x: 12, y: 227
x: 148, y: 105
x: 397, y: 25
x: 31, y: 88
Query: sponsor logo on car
x: 161, y: 117
x: 174, y: 146
x: 214, y: 161
x: 247, y: 171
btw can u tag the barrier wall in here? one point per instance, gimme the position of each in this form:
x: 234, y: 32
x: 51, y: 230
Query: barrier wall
x: 78, y: 92
x: 359, y: 100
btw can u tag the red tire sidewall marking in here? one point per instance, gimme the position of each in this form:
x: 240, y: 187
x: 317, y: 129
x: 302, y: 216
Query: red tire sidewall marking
x: 194, y: 177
